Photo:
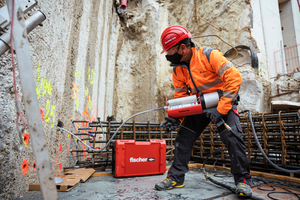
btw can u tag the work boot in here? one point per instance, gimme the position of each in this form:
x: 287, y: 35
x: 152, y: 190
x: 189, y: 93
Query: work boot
x: 242, y: 189
x: 168, y: 184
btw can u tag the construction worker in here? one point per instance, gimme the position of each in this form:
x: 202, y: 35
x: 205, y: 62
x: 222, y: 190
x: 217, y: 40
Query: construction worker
x: 203, y: 70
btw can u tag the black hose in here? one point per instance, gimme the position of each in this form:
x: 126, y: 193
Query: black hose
x: 273, y: 189
x: 260, y: 148
x: 218, y: 183
x: 265, y: 156
x: 212, y: 180
x: 254, y: 58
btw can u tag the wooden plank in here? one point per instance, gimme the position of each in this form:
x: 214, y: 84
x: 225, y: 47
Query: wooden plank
x: 284, y: 105
x: 101, y: 174
x: 34, y: 187
x: 71, y: 178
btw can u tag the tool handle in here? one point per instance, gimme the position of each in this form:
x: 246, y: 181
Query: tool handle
x: 223, y: 122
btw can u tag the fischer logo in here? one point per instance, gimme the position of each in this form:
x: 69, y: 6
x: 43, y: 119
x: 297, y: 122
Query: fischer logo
x: 170, y: 40
x: 139, y: 159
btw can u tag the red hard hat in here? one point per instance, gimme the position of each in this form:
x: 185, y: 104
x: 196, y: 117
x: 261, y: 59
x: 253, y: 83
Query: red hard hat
x: 172, y: 35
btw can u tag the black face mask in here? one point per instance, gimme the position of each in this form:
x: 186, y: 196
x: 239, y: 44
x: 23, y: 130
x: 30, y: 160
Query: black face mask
x: 175, y: 59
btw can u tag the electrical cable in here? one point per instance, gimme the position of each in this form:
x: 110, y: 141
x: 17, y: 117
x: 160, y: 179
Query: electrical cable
x: 273, y: 189
x: 254, y: 58
x: 60, y: 126
x: 20, y: 131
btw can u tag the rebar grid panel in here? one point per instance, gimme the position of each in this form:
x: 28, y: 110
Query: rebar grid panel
x: 97, y: 133
x: 279, y: 135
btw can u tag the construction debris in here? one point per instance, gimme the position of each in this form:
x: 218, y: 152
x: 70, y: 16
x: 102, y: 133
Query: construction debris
x: 71, y: 178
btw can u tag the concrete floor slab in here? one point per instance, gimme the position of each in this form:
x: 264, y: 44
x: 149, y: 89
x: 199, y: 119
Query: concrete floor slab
x: 109, y: 187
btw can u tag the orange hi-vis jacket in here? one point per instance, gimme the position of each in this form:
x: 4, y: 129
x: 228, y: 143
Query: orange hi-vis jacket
x: 211, y: 72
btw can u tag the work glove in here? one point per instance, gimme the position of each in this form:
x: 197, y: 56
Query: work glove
x: 170, y: 124
x: 214, y: 115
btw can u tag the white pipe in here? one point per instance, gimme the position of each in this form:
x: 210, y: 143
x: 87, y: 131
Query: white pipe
x: 182, y: 100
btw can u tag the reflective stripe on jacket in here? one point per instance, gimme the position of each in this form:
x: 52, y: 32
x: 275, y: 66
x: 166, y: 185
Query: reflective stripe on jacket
x: 211, y: 72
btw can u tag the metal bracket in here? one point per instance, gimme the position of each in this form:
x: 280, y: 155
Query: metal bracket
x: 25, y: 5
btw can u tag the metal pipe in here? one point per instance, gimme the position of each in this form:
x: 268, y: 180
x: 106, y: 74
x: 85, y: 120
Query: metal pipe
x: 282, y: 58
x: 123, y: 4
x: 32, y: 22
x: 126, y: 132
x: 289, y: 114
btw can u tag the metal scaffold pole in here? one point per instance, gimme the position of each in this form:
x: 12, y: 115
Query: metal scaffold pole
x: 34, y: 121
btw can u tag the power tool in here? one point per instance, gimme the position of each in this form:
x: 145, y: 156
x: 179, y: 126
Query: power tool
x: 192, y: 105
x: 196, y: 104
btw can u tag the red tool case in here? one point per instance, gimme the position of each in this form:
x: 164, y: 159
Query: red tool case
x: 131, y: 158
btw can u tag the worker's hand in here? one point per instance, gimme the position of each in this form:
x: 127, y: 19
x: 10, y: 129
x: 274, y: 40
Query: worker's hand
x: 170, y: 124
x: 214, y: 115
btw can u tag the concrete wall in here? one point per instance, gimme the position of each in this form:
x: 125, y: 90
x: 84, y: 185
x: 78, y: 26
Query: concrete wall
x: 296, y: 18
x: 257, y: 32
x: 272, y: 33
x: 287, y: 24
x: 289, y: 30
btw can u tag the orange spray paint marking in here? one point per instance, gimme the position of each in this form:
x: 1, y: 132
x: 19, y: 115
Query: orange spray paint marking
x: 42, y: 114
x: 25, y: 167
x: 33, y: 166
x: 75, y: 89
x: 26, y: 138
x: 85, y: 116
x: 87, y: 103
x: 60, y: 166
x: 60, y: 148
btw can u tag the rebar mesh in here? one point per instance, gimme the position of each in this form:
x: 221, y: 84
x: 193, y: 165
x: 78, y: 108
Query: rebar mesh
x: 279, y: 135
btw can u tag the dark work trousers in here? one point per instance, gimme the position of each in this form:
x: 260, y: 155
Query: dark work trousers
x: 189, y: 131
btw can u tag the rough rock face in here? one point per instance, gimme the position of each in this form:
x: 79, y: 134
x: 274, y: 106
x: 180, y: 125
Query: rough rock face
x: 286, y: 88
x: 89, y: 61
